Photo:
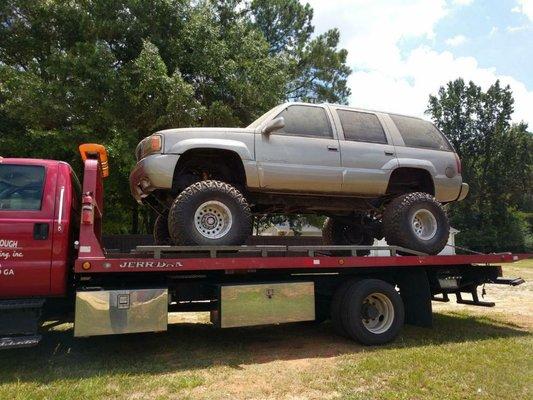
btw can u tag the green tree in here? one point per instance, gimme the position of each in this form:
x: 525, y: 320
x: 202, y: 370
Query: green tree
x: 114, y: 72
x: 497, y: 163
x: 316, y: 67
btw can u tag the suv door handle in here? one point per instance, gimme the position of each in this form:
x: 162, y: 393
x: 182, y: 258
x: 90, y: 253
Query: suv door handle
x: 40, y: 231
x: 333, y: 148
x: 389, y: 153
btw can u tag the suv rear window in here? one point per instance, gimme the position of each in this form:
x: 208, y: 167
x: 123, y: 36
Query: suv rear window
x: 305, y: 121
x: 362, y: 127
x: 21, y: 187
x: 419, y: 133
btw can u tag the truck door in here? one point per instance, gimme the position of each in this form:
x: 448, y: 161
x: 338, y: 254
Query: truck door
x: 367, y: 153
x: 303, y: 156
x: 27, y: 197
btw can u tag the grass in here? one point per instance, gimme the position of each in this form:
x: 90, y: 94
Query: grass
x: 467, y: 355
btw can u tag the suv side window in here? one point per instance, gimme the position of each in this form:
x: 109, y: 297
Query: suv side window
x: 305, y: 121
x: 361, y: 127
x: 21, y: 187
x: 419, y: 133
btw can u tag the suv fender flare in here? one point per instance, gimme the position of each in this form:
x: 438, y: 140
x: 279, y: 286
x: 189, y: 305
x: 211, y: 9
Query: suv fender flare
x: 419, y: 164
x: 222, y: 144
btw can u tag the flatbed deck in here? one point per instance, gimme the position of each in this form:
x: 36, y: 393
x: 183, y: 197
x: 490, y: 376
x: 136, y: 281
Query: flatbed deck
x: 250, y: 258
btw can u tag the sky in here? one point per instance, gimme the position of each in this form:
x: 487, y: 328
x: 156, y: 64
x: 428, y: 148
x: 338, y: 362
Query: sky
x: 401, y: 51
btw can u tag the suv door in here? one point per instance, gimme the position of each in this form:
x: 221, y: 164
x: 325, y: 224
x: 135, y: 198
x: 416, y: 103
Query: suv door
x: 301, y: 157
x: 27, y: 198
x: 367, y: 154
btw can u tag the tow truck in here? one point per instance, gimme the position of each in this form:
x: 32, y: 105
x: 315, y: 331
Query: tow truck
x: 53, y: 265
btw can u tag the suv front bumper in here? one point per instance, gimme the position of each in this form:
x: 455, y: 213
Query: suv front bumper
x: 152, y: 172
x: 463, y: 192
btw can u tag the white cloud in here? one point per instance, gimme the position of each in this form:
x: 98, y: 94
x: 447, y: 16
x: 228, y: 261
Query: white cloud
x: 513, y: 29
x: 525, y: 7
x: 385, y: 78
x: 463, y: 2
x: 455, y: 41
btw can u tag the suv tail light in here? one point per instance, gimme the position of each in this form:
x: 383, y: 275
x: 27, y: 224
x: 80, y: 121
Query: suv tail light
x: 458, y: 162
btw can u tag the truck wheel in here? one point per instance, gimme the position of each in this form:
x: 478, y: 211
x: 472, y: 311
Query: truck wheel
x: 210, y: 213
x: 416, y: 221
x: 335, y: 232
x: 372, y: 312
x: 161, y: 234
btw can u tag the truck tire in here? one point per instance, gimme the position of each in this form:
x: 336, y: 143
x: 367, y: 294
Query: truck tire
x: 210, y: 213
x: 335, y: 232
x: 372, y: 312
x: 161, y: 234
x: 336, y: 307
x: 416, y: 221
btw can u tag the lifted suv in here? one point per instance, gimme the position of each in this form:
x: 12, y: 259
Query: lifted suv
x: 373, y: 174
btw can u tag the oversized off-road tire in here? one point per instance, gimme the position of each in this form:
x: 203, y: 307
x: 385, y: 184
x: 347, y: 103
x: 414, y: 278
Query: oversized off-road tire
x: 210, y: 213
x: 372, y: 312
x: 416, y: 221
x: 335, y: 232
x: 161, y: 234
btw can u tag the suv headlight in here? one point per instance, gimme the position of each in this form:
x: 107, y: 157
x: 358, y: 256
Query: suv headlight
x: 149, y: 145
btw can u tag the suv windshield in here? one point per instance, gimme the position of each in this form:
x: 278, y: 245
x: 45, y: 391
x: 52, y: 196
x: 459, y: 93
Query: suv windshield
x: 21, y: 187
x: 263, y: 118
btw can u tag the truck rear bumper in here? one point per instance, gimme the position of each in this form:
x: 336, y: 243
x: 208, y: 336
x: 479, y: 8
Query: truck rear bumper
x: 151, y: 173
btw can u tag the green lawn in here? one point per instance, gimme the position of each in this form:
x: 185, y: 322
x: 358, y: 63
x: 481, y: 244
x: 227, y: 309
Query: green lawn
x: 465, y: 356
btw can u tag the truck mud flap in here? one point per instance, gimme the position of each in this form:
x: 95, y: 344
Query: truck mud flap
x: 416, y: 296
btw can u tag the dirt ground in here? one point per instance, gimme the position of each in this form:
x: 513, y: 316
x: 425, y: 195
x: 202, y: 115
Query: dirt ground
x: 299, y: 360
x: 514, y: 304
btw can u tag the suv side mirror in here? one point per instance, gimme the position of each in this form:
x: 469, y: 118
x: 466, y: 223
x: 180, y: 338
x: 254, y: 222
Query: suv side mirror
x: 273, y: 125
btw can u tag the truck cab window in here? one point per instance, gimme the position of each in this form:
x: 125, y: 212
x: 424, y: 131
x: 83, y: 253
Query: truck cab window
x: 21, y: 187
x: 305, y: 121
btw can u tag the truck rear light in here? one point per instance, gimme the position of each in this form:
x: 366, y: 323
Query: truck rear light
x: 87, y: 215
x: 458, y: 162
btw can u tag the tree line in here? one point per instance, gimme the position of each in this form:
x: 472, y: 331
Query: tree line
x: 497, y: 164
x: 114, y: 72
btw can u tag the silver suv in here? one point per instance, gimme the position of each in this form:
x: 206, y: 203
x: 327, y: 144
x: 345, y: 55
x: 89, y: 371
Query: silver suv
x: 373, y: 174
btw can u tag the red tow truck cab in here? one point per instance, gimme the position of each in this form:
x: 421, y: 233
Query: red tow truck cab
x: 52, y: 261
x: 39, y: 219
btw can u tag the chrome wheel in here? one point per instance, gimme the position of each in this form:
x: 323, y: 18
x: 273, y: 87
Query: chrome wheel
x: 424, y: 224
x: 213, y: 219
x: 377, y: 313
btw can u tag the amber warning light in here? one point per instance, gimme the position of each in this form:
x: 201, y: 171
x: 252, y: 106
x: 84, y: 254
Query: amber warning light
x: 98, y: 152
